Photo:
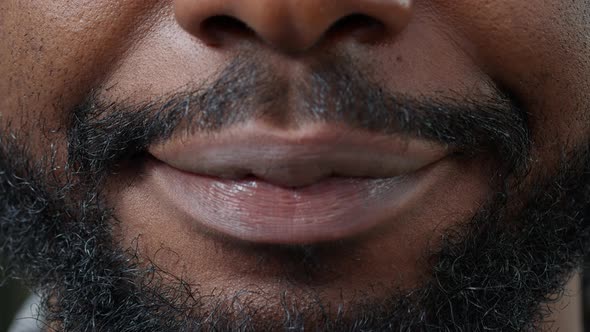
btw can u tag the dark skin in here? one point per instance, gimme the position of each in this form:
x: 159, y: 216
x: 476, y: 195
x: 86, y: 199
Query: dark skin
x: 53, y: 54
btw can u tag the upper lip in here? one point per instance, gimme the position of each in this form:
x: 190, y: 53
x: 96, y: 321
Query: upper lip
x: 298, y: 157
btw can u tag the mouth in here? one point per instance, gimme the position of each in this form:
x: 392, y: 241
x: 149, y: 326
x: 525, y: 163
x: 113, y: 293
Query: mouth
x: 320, y: 183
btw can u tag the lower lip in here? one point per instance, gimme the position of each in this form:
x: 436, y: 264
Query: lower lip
x: 256, y: 211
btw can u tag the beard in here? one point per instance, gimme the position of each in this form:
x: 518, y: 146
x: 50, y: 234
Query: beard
x: 494, y: 271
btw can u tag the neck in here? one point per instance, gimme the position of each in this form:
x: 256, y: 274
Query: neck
x: 566, y: 314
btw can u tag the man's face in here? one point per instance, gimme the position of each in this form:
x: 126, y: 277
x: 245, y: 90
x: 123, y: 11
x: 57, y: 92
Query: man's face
x: 323, y: 164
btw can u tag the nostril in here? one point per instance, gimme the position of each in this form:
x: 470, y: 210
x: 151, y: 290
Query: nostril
x: 362, y: 27
x: 220, y: 27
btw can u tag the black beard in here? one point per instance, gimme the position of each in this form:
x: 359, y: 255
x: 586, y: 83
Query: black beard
x: 494, y: 271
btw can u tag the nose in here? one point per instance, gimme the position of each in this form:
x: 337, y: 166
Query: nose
x: 292, y: 25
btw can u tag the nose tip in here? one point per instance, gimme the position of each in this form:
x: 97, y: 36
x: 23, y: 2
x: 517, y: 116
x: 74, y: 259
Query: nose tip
x: 291, y: 25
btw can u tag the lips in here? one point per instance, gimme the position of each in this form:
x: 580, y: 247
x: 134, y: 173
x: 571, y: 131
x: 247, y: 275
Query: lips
x: 264, y: 184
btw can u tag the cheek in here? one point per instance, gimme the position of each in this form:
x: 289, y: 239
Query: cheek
x: 165, y: 59
x: 53, y: 52
x: 537, y: 50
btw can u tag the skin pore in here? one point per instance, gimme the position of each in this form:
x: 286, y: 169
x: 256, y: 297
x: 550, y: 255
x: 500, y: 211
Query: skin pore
x: 76, y: 75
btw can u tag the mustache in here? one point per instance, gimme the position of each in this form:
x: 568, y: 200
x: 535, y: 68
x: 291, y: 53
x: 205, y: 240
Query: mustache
x: 103, y: 133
